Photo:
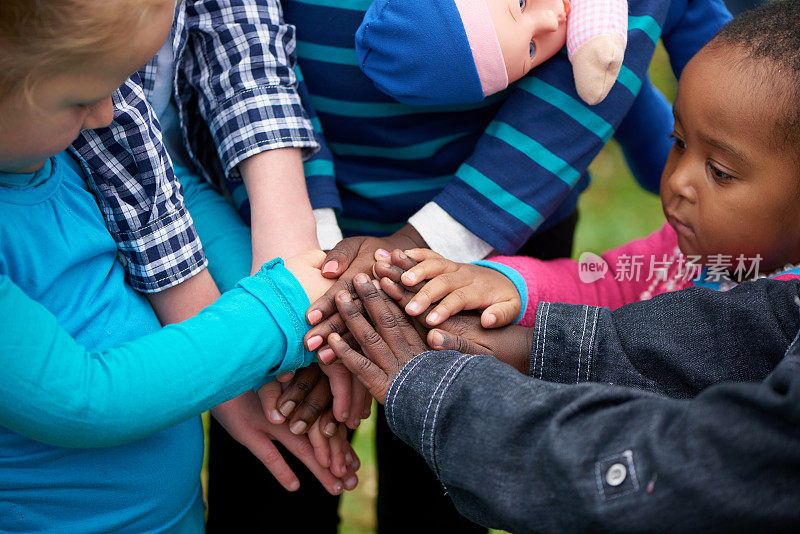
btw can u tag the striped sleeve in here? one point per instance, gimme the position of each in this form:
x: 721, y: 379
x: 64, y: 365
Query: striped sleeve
x: 538, y: 147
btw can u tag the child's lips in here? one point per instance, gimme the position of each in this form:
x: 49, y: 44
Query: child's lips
x: 679, y: 226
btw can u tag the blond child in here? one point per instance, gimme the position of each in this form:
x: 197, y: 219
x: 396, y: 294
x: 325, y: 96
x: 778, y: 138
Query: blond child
x: 101, y: 439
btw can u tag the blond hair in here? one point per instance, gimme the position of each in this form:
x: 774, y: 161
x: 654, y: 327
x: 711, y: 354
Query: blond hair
x: 43, y: 37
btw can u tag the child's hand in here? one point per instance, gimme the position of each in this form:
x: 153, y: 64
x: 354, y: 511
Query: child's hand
x: 243, y: 419
x: 306, y: 267
x: 459, y: 286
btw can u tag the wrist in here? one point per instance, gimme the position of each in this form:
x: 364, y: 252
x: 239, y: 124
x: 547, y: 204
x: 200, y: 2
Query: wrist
x: 410, y: 238
x: 519, y: 356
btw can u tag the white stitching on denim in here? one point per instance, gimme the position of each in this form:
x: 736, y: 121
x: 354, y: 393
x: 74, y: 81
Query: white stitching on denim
x: 405, y: 372
x: 428, y: 408
x: 591, y: 343
x: 631, y: 469
x: 600, y: 491
x: 538, y: 327
x: 463, y: 361
x: 544, y: 341
x: 580, y: 348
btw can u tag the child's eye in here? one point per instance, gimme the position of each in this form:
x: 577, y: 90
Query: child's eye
x: 680, y: 144
x: 720, y: 176
x: 532, y: 49
x: 522, y: 5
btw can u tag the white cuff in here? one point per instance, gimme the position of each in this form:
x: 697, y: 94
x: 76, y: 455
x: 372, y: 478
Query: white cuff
x: 328, y: 232
x: 447, y: 236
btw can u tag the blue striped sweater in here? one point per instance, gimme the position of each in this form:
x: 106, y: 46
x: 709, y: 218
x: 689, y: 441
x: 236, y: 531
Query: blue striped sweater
x: 505, y: 168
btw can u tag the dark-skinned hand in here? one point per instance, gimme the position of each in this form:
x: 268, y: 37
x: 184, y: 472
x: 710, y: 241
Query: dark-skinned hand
x: 386, y: 347
x: 462, y: 332
x: 352, y: 256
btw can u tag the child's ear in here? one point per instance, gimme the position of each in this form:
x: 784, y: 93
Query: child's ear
x: 597, y: 33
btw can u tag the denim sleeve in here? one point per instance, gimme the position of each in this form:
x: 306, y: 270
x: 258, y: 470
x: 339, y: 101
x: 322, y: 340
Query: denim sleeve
x: 61, y: 393
x: 676, y: 344
x: 535, y: 456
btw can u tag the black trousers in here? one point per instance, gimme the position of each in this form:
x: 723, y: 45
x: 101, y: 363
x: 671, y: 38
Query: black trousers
x: 243, y: 493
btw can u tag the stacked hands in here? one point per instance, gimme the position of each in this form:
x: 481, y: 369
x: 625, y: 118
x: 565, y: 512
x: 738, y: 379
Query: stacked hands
x: 371, y: 317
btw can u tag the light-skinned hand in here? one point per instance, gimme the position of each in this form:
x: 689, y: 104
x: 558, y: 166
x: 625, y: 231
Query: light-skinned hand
x: 457, y: 287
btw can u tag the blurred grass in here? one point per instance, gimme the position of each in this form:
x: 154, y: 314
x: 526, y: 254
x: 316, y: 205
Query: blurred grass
x: 613, y: 210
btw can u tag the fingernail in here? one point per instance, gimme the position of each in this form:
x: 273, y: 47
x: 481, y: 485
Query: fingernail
x: 356, y: 464
x: 294, y: 485
x: 330, y: 429
x: 314, y: 316
x: 376, y: 284
x: 402, y: 256
x: 330, y: 267
x: 365, y: 413
x: 276, y: 417
x: 298, y: 427
x: 382, y: 253
x: 337, y: 487
x: 345, y: 297
x: 348, y: 458
x: 409, y: 278
x: 351, y: 482
x: 361, y: 278
x: 326, y: 355
x: 412, y: 307
x: 437, y: 339
x: 287, y: 408
x: 491, y: 319
x: 314, y: 342
x: 345, y: 415
x: 432, y: 317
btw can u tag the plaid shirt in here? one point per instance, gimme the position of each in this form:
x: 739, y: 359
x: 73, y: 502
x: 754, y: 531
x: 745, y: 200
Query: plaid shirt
x: 235, y: 90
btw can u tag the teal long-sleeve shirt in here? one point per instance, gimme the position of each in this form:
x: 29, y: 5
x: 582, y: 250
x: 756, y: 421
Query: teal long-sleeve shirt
x: 58, y: 392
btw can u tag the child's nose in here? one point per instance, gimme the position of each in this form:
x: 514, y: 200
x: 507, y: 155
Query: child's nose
x: 681, y: 183
x: 101, y: 114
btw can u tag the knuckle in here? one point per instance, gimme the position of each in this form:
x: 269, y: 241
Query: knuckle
x: 371, y: 338
x: 387, y: 320
x: 303, y: 386
x: 363, y: 366
x: 271, y: 455
x: 312, y: 407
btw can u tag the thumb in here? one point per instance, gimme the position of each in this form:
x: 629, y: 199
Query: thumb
x: 500, y: 314
x: 442, y: 340
x: 268, y: 394
x: 339, y: 258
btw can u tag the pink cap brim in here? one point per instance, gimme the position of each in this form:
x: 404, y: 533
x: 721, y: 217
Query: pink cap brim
x: 483, y: 43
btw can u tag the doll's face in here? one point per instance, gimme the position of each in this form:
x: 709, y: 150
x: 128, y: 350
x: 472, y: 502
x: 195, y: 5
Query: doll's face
x: 530, y: 32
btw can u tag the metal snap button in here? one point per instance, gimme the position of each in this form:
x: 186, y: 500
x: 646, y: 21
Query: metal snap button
x: 616, y: 475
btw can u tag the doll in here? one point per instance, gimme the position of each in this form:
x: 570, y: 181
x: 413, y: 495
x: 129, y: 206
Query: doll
x: 439, y: 52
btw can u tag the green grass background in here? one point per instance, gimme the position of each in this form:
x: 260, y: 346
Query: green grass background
x: 612, y: 211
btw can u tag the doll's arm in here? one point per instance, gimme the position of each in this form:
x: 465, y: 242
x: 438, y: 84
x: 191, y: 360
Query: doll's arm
x: 597, y: 32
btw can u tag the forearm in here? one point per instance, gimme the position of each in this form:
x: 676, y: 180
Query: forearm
x: 61, y: 393
x: 282, y: 221
x: 185, y: 300
x: 676, y: 344
x: 532, y: 456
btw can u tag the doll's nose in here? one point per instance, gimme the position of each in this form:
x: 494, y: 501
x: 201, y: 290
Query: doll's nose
x: 547, y: 21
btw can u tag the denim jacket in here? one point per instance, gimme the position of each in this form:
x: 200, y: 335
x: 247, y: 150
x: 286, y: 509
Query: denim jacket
x: 675, y: 414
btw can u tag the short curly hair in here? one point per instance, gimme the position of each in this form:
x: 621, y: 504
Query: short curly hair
x: 43, y: 37
x: 769, y: 37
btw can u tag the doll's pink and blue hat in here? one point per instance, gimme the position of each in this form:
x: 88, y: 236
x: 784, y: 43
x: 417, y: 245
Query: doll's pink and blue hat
x: 431, y: 52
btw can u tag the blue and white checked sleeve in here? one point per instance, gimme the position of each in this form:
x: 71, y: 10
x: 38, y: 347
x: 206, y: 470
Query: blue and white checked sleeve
x: 142, y: 203
x: 239, y: 62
